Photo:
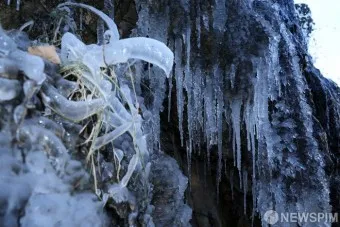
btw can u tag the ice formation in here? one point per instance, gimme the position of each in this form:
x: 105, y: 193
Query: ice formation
x: 18, y: 2
x: 115, y: 51
x: 9, y: 89
x: 108, y: 99
x: 112, y: 98
x: 245, y: 88
x: 244, y: 76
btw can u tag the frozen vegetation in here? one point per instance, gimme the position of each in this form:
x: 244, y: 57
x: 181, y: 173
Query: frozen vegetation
x: 46, y: 181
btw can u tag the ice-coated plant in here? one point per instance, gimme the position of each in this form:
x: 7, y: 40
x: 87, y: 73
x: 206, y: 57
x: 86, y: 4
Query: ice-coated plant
x: 114, y: 50
x: 99, y: 92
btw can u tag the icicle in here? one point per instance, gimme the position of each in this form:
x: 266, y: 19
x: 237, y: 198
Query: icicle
x: 234, y: 148
x: 190, y: 106
x: 219, y: 123
x: 245, y: 190
x: 236, y: 123
x: 240, y: 179
x: 219, y: 145
x: 210, y: 112
x: 225, y: 165
x: 198, y: 30
x: 169, y: 97
x: 109, y: 7
x: 249, y: 120
x: 232, y: 184
x: 275, y: 86
x: 208, y: 158
x: 100, y: 32
x: 250, y: 128
x: 179, y: 86
x: 189, y: 152
x: 158, y: 86
x: 205, y: 19
x: 220, y: 15
x: 81, y: 20
x: 18, y: 5
x: 232, y: 75
x: 198, y: 96
x: 188, y: 50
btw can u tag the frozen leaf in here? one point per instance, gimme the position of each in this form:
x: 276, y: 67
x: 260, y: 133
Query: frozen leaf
x: 47, y: 52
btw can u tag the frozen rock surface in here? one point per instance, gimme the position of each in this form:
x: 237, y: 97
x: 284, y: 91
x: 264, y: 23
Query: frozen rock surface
x: 250, y: 104
x: 249, y: 119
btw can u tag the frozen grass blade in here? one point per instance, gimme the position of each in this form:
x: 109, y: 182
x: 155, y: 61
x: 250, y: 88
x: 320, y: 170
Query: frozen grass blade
x: 145, y: 49
x: 72, y: 110
x: 104, y: 140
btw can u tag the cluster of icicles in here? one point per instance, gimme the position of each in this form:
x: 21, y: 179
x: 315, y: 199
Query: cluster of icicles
x: 112, y: 99
x: 209, y: 107
x: 17, y: 5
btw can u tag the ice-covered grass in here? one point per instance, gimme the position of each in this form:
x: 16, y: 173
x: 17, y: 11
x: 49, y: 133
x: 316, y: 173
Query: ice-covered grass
x: 100, y: 92
x: 88, y: 92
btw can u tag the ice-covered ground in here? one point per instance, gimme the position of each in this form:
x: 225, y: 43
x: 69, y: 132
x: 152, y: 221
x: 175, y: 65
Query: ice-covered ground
x: 324, y: 43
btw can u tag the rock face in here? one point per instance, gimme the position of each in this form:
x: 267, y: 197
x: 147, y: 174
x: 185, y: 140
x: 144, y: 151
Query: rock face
x: 248, y: 118
x: 251, y: 105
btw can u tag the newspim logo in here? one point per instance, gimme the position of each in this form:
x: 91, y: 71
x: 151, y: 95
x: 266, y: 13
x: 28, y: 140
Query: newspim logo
x: 272, y: 217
